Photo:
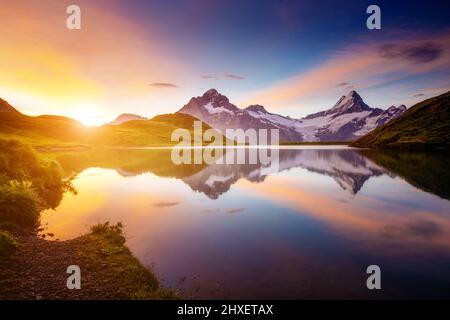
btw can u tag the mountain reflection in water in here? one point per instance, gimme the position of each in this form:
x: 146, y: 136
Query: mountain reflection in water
x: 307, y: 227
x: 350, y: 170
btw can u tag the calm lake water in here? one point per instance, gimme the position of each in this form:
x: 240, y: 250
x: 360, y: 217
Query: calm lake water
x: 306, y: 228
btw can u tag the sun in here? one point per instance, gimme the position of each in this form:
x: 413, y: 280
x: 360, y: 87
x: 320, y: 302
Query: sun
x: 89, y: 116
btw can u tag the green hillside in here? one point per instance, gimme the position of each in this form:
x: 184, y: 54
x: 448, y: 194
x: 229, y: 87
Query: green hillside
x: 56, y: 131
x: 425, y: 125
x: 43, y: 130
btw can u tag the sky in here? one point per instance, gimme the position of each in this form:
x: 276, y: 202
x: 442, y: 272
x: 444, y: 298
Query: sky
x: 151, y: 57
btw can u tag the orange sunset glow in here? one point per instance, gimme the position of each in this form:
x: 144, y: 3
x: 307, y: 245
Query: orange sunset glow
x: 216, y: 152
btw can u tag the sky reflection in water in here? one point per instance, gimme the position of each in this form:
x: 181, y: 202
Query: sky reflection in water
x: 241, y: 231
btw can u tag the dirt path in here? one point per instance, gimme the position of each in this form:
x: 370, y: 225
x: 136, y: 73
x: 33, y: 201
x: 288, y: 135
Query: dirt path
x: 108, y: 271
x: 38, y: 271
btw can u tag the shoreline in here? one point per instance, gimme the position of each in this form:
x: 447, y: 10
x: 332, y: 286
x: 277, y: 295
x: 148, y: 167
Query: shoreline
x: 281, y: 147
x: 38, y: 269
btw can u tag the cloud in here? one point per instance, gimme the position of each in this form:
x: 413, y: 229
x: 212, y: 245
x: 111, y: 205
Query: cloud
x: 419, y: 95
x: 69, y: 69
x: 236, y: 210
x: 209, y: 77
x: 347, y: 85
x: 424, y: 229
x: 163, y: 85
x: 166, y: 204
x: 410, y: 227
x: 227, y: 76
x: 218, y: 210
x: 364, y: 65
x: 419, y: 53
x: 234, y: 77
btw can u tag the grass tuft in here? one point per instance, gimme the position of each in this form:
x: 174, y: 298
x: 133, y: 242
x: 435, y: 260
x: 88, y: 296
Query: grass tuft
x: 113, y: 232
x: 8, y: 244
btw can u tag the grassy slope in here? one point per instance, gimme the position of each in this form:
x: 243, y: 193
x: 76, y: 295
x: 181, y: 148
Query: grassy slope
x: 105, y: 255
x: 55, y: 131
x: 426, y: 124
x: 43, y: 130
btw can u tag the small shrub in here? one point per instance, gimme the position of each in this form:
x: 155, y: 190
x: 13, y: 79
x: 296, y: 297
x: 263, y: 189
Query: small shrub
x: 29, y: 183
x: 8, y: 244
x: 19, y: 204
x: 113, y: 232
x: 18, y: 161
x: 11, y: 227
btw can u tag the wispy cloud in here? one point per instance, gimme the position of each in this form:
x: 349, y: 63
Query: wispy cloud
x: 219, y: 210
x: 345, y: 85
x: 419, y: 95
x: 236, y: 210
x: 227, y: 76
x: 166, y: 204
x: 416, y: 52
x: 209, y: 77
x: 164, y: 85
x: 234, y: 77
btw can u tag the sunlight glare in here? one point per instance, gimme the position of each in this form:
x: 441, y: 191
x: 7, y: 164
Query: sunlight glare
x: 89, y: 115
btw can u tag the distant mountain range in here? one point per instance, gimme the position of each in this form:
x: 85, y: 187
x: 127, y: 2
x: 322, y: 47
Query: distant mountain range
x: 125, y: 117
x: 424, y: 125
x: 349, y: 119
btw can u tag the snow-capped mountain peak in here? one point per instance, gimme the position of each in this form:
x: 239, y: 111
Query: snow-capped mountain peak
x: 394, y: 109
x: 210, y: 105
x: 215, y: 99
x: 256, y: 108
x: 212, y: 93
x: 216, y: 110
x: 390, y: 113
x: 348, y: 119
x: 352, y: 102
